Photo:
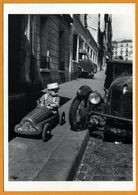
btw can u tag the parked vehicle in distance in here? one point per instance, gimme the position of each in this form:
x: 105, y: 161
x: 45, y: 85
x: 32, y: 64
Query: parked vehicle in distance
x: 89, y: 109
x: 86, y: 66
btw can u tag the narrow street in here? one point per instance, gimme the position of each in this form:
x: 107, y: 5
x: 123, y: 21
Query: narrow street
x: 32, y: 159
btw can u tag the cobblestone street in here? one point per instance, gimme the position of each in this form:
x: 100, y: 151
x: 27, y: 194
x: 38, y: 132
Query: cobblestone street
x: 105, y: 161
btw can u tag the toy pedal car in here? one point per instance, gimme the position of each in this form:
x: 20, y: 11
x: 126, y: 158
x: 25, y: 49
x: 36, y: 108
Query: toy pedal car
x: 38, y: 122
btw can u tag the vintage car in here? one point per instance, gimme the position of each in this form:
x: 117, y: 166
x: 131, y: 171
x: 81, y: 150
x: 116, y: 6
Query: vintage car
x: 86, y: 67
x: 113, y: 111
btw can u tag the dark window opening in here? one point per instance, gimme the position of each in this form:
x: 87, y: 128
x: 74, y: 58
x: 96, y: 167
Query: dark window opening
x: 62, y: 41
x: 44, y: 62
x: 74, y: 47
x: 44, y: 57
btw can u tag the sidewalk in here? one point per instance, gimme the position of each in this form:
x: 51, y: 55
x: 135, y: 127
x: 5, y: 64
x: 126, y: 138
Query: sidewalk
x: 114, y: 162
x: 55, y: 160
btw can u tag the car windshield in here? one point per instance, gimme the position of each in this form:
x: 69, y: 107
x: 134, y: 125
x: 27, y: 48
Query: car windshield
x: 121, y: 70
x: 116, y: 69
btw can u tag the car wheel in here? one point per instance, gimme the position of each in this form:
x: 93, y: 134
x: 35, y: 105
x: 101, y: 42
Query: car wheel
x: 46, y: 133
x: 62, y: 119
x: 95, y: 70
x: 78, y: 114
x: 79, y: 72
x: 91, y: 75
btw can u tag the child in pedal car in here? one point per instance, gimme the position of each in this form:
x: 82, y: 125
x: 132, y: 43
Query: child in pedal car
x: 50, y: 99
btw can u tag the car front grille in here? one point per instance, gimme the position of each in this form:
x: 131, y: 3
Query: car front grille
x: 121, y: 104
x: 115, y: 101
x: 127, y: 108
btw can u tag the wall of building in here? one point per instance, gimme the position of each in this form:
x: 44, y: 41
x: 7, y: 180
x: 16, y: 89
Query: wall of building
x: 36, y: 37
x: 52, y: 47
x: 124, y: 49
x: 104, y: 39
x: 92, y: 21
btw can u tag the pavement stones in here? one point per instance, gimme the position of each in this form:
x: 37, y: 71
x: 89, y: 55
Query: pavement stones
x: 105, y: 161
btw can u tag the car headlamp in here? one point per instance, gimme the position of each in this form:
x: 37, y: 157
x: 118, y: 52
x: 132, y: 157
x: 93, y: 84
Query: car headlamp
x: 125, y: 89
x: 95, y: 98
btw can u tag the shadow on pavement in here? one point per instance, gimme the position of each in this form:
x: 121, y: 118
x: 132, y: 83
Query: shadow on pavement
x: 63, y: 100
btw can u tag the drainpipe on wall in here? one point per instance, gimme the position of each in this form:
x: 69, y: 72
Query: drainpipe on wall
x: 77, y: 56
x: 70, y: 51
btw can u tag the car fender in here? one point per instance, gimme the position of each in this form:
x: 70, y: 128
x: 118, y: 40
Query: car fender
x: 84, y: 91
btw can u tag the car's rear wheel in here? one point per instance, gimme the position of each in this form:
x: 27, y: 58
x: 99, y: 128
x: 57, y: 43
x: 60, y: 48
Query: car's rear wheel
x: 79, y: 72
x: 95, y: 69
x: 78, y: 114
x: 91, y: 75
x: 46, y: 133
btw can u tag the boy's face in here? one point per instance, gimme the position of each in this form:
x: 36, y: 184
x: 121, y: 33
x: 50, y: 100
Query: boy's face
x: 53, y: 91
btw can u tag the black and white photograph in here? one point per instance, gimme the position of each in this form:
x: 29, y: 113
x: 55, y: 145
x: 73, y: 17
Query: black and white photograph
x: 69, y: 103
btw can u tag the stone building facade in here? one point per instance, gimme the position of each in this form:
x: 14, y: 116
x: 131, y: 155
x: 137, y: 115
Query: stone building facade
x: 39, y: 53
x: 104, y: 39
x: 55, y: 47
x: 123, y: 48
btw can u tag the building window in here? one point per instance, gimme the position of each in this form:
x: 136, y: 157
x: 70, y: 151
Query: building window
x: 93, y: 57
x: 86, y: 46
x: 62, y: 49
x: 88, y: 49
x: 74, y: 47
x: 81, y: 43
x: 45, y: 62
x: 91, y: 53
x: 44, y: 49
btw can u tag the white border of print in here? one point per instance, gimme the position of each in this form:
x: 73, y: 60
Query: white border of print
x: 93, y: 8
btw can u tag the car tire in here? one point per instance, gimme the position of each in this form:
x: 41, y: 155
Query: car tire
x: 46, y: 133
x: 95, y: 70
x: 62, y: 119
x: 91, y: 75
x: 79, y: 72
x: 78, y: 105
